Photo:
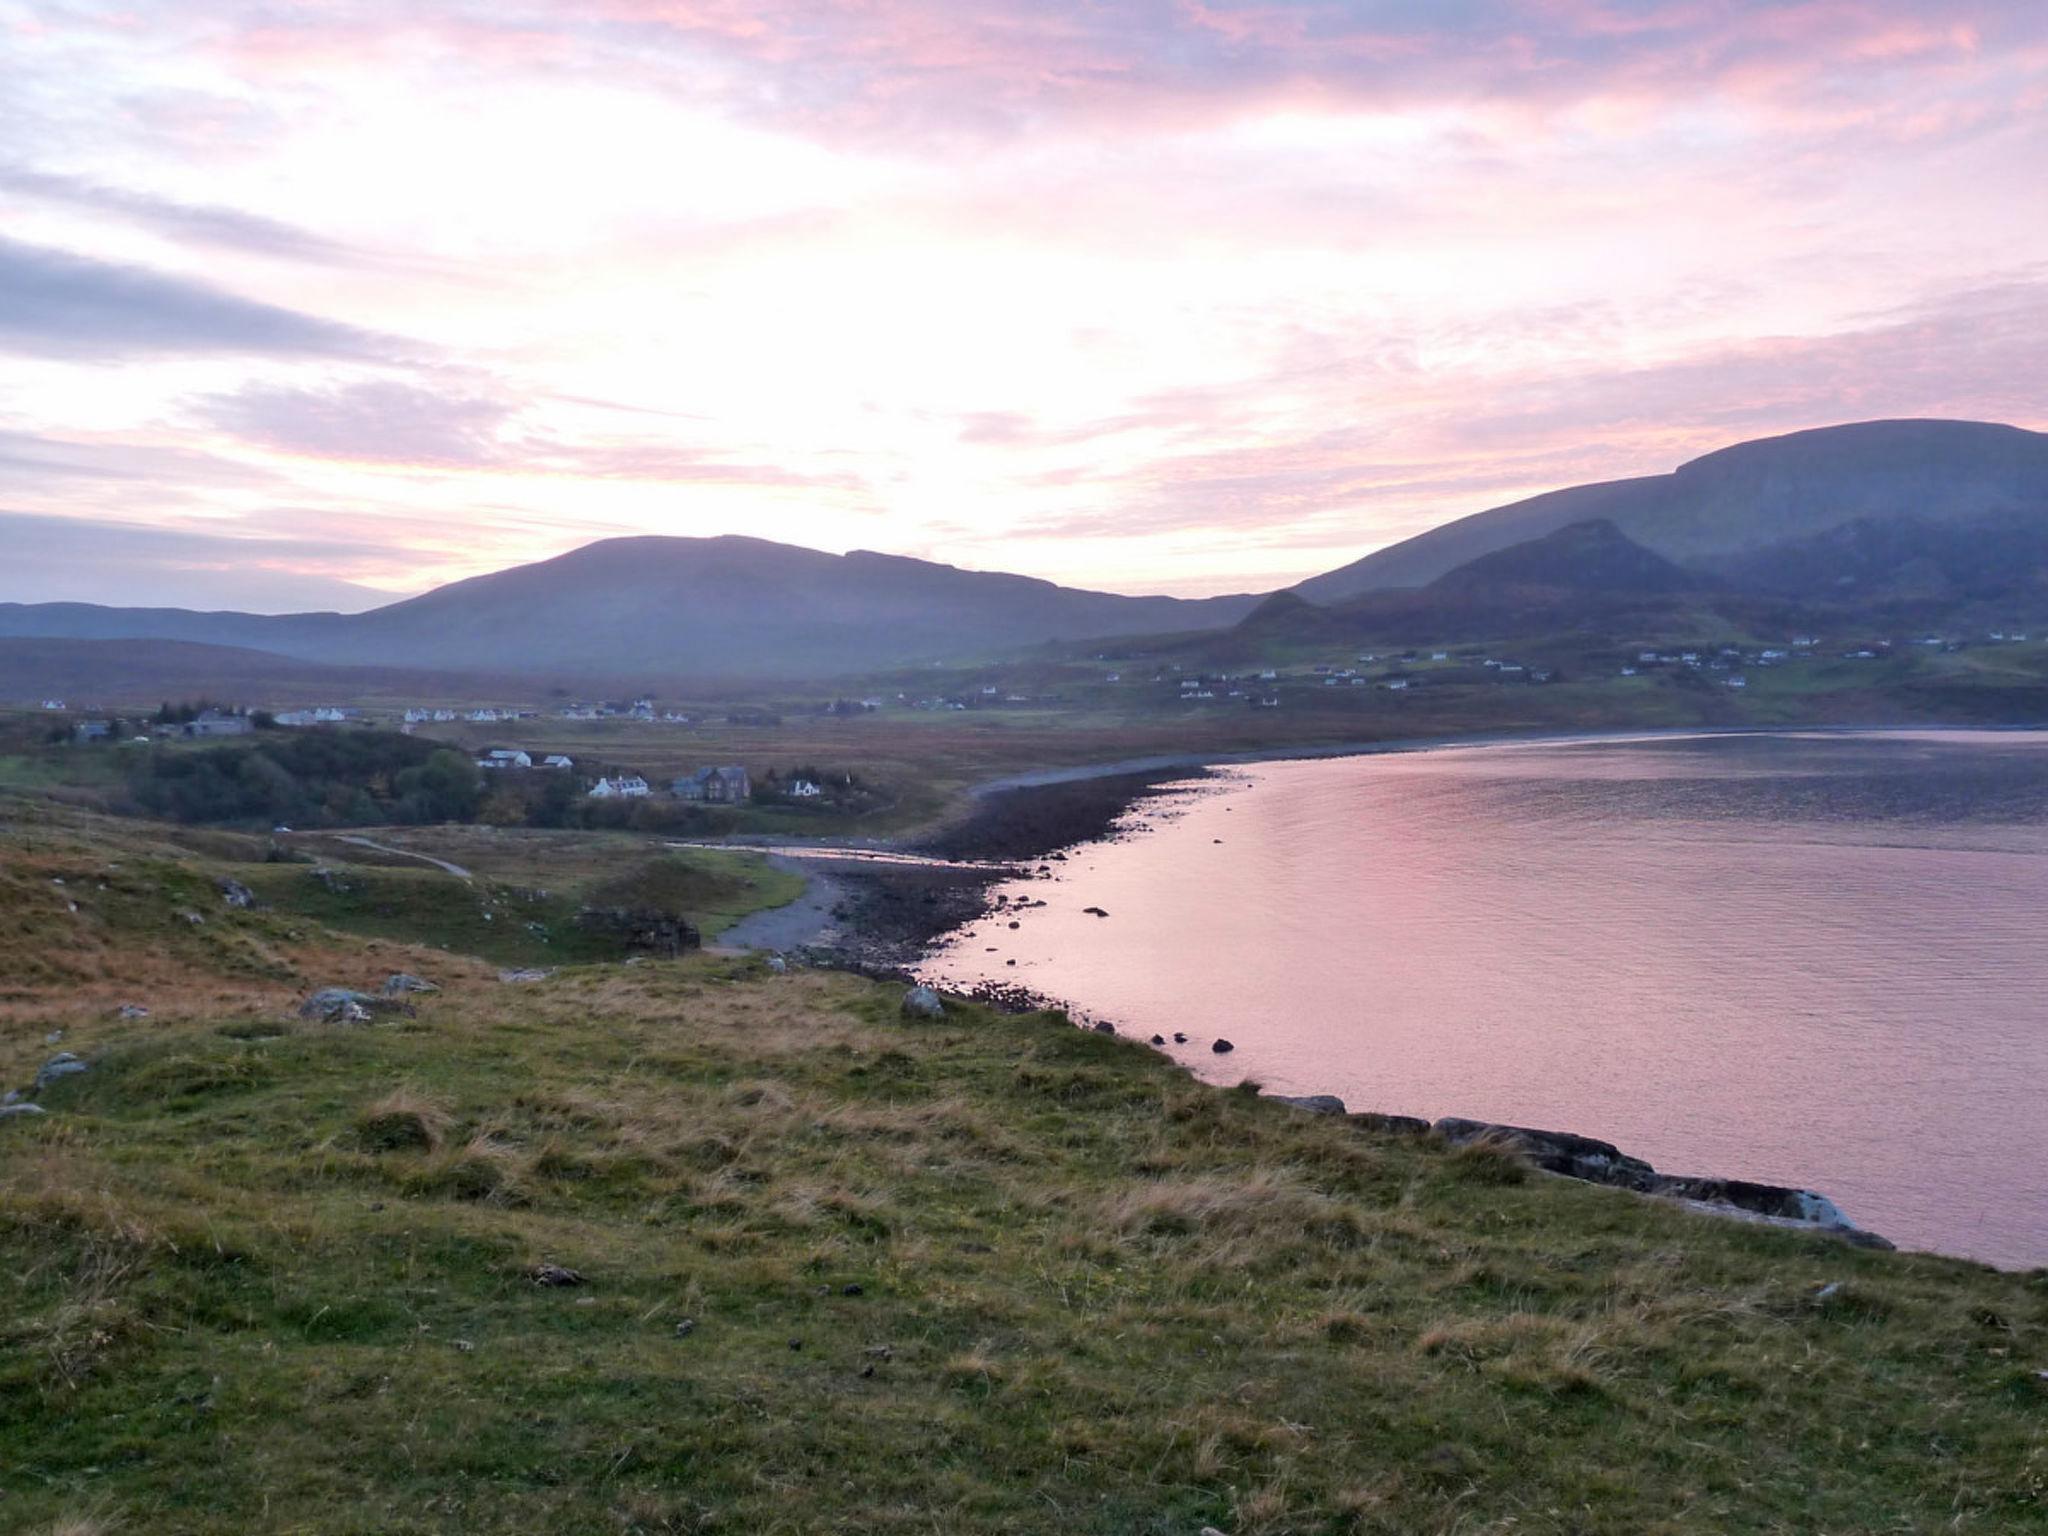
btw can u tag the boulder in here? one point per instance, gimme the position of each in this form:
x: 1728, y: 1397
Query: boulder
x: 921, y: 1002
x: 1222, y: 1047
x: 234, y: 893
x: 340, y: 1005
x: 17, y: 1111
x: 1105, y: 1028
x: 59, y: 1066
x: 131, y: 1011
x: 399, y: 983
x: 1576, y: 1157
x: 1314, y: 1103
x: 524, y: 973
x: 1393, y: 1125
x: 777, y: 965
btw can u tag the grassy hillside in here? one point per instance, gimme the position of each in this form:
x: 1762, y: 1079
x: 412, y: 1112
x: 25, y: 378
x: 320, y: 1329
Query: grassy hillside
x: 846, y: 1272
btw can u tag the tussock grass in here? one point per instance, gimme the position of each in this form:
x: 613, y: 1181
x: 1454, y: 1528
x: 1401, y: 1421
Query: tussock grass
x: 404, y: 1121
x: 1035, y: 1280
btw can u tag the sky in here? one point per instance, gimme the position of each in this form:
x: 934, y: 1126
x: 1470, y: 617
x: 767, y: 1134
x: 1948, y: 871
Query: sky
x: 307, y: 304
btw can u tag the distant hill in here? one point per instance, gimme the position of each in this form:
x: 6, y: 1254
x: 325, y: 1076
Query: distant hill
x: 1589, y: 557
x: 721, y: 607
x: 89, y: 674
x: 1744, y: 499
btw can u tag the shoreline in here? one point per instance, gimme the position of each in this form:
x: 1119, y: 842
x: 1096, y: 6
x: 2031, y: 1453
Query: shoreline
x: 877, y: 917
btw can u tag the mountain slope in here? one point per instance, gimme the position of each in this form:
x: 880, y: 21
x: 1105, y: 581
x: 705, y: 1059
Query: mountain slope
x: 1590, y: 557
x: 649, y: 607
x: 1748, y: 497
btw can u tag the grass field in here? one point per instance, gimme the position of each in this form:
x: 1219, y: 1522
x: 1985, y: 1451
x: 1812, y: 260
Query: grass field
x: 845, y: 1272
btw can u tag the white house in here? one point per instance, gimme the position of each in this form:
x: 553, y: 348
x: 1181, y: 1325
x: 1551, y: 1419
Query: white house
x: 505, y: 757
x: 556, y: 760
x: 803, y: 789
x: 1397, y: 684
x: 53, y: 703
x: 625, y: 787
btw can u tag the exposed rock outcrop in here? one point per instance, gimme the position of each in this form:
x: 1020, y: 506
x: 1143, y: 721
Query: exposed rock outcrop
x: 922, y: 1002
x: 1601, y: 1162
x: 340, y: 1005
x: 1314, y: 1103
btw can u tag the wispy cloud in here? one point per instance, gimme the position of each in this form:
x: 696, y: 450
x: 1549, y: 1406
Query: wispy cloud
x: 58, y: 304
x: 1163, y: 293
x: 201, y: 224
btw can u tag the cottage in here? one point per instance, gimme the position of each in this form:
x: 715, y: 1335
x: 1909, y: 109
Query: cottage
x: 325, y: 714
x: 214, y: 723
x: 803, y: 789
x: 53, y: 703
x: 505, y: 757
x: 556, y: 760
x: 625, y: 787
x: 715, y: 786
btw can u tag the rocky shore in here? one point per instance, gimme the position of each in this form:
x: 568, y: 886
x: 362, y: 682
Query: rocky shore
x: 884, y: 916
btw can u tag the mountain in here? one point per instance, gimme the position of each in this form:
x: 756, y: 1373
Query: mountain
x: 665, y: 607
x: 103, y: 674
x: 1580, y: 558
x: 1744, y: 499
x: 2002, y: 558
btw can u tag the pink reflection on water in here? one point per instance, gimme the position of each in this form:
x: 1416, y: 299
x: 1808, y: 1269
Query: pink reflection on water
x: 1802, y: 959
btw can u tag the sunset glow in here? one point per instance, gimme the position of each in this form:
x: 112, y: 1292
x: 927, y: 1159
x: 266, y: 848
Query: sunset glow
x: 299, y: 301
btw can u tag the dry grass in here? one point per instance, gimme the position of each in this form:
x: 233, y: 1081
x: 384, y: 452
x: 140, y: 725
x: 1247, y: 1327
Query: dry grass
x: 981, y: 1275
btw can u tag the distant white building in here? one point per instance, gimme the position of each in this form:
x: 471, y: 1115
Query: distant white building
x: 53, y: 703
x: 1737, y: 682
x: 556, y: 760
x: 803, y: 789
x: 625, y: 787
x: 505, y: 757
x: 325, y: 714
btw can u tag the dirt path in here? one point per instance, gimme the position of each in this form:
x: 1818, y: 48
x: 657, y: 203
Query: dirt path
x: 405, y: 853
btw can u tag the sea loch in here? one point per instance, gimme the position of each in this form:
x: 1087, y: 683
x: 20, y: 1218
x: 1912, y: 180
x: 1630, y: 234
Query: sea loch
x: 1803, y: 958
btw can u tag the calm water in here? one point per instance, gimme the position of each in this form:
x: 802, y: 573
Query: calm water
x: 1813, y: 959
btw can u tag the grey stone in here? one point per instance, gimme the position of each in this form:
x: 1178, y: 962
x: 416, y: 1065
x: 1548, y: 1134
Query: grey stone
x: 340, y: 1005
x: 59, y: 1066
x: 778, y: 965
x: 1574, y: 1156
x: 400, y: 982
x: 1222, y: 1047
x: 1397, y: 1125
x: 1314, y: 1103
x: 234, y: 893
x: 524, y: 973
x: 16, y: 1111
x: 131, y: 1011
x: 921, y: 1002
